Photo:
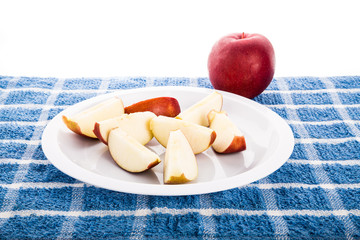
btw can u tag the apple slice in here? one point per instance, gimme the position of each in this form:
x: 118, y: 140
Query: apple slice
x: 229, y: 138
x: 136, y: 125
x: 198, y: 112
x: 180, y: 165
x: 129, y: 154
x: 166, y: 106
x: 199, y: 137
x: 83, y: 122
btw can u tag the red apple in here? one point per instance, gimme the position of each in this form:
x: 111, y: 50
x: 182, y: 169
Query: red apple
x: 242, y: 63
x: 165, y: 106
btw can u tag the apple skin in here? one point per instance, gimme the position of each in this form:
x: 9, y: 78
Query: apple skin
x: 229, y: 138
x: 237, y: 145
x: 242, y: 63
x: 165, y: 106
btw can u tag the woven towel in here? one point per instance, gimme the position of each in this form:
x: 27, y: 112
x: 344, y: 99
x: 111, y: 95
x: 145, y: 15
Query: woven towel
x: 315, y: 194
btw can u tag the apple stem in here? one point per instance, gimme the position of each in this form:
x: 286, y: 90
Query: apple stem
x: 243, y: 35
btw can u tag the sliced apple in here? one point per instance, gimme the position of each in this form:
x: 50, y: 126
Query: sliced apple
x: 129, y: 154
x: 83, y: 122
x: 180, y: 165
x: 166, y: 106
x: 198, y: 112
x: 229, y: 138
x: 199, y: 137
x: 136, y: 125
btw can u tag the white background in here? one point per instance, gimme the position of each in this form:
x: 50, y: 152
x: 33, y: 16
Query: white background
x: 172, y: 38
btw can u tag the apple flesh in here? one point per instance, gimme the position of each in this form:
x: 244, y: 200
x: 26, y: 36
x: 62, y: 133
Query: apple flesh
x: 229, y: 138
x: 83, y: 122
x: 135, y: 124
x: 197, y: 113
x: 129, y: 154
x: 166, y: 106
x: 242, y: 63
x: 180, y: 165
x: 199, y: 137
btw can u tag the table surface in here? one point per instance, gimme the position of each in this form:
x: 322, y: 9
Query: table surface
x: 315, y: 194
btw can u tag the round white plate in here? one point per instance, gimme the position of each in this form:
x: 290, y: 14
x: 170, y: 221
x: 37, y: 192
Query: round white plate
x: 269, y: 140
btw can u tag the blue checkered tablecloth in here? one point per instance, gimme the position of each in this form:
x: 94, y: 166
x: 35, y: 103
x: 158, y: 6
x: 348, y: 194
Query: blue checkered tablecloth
x: 315, y: 194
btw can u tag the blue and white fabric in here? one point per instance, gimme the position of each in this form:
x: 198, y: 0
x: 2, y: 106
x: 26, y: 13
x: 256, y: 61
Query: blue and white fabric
x: 314, y: 195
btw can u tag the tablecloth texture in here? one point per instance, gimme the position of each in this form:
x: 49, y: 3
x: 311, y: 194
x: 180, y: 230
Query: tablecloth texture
x: 315, y: 194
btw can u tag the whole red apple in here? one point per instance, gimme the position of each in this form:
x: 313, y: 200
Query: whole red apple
x: 242, y: 63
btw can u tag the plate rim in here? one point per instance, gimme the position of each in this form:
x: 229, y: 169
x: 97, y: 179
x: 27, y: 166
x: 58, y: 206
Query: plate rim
x: 56, y: 157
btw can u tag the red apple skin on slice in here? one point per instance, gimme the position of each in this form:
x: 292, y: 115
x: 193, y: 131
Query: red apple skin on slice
x: 237, y: 145
x: 229, y: 138
x: 165, y: 106
x: 73, y: 126
x: 98, y: 134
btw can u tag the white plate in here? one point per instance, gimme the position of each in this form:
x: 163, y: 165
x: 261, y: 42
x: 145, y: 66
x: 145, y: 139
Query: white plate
x: 269, y: 139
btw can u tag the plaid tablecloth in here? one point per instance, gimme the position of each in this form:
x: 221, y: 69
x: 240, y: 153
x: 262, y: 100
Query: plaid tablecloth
x: 315, y: 194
